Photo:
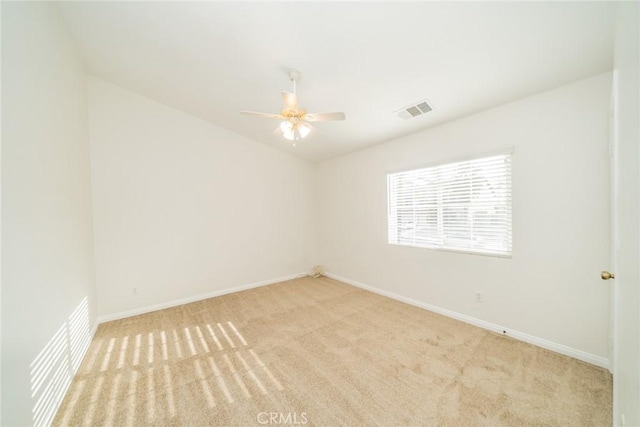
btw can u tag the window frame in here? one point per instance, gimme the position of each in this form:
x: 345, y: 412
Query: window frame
x: 470, y: 251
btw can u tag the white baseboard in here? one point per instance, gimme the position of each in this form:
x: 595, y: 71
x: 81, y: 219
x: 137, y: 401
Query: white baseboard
x: 593, y: 359
x: 187, y: 300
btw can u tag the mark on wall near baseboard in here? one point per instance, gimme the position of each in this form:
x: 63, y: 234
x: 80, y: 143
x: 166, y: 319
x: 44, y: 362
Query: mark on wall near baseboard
x: 318, y: 271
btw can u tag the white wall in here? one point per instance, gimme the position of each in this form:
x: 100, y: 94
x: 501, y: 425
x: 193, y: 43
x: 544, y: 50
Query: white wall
x: 551, y: 287
x: 626, y: 393
x: 183, y: 207
x: 47, y: 255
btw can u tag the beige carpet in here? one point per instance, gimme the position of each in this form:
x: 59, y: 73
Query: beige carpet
x: 319, y: 352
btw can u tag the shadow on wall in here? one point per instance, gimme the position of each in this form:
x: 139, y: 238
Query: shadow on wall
x: 53, y: 369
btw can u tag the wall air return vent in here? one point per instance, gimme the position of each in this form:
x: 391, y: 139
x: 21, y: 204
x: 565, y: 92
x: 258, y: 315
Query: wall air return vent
x: 415, y: 110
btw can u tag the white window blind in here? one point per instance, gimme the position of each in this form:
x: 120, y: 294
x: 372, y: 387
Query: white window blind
x: 464, y: 206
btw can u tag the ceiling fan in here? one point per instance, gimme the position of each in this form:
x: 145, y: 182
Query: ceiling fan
x: 294, y: 125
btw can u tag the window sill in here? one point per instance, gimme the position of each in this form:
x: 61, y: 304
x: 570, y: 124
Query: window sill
x: 455, y: 250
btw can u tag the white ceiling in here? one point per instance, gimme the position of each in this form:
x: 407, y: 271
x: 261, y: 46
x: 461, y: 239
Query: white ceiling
x: 213, y: 60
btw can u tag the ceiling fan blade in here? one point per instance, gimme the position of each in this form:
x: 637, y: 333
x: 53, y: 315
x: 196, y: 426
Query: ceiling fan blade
x: 324, y: 117
x: 290, y: 101
x: 267, y: 115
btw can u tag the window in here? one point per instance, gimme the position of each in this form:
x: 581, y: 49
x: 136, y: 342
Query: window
x: 462, y: 206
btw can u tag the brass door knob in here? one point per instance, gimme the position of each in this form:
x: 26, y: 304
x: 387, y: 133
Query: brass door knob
x: 606, y: 275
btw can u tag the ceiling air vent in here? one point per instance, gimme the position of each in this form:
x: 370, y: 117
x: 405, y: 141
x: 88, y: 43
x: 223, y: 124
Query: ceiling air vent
x: 414, y: 110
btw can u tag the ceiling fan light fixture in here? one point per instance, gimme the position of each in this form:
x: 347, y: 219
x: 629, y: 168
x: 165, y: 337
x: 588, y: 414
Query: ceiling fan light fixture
x: 286, y: 126
x: 287, y: 130
x: 304, y: 130
x: 289, y: 135
x: 294, y: 131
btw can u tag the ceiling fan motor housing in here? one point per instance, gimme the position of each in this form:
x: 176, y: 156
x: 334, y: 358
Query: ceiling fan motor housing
x: 295, y: 116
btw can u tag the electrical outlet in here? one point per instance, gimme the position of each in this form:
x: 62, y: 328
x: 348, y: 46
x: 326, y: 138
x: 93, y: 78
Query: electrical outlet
x: 135, y: 291
x: 479, y: 297
x: 623, y: 422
